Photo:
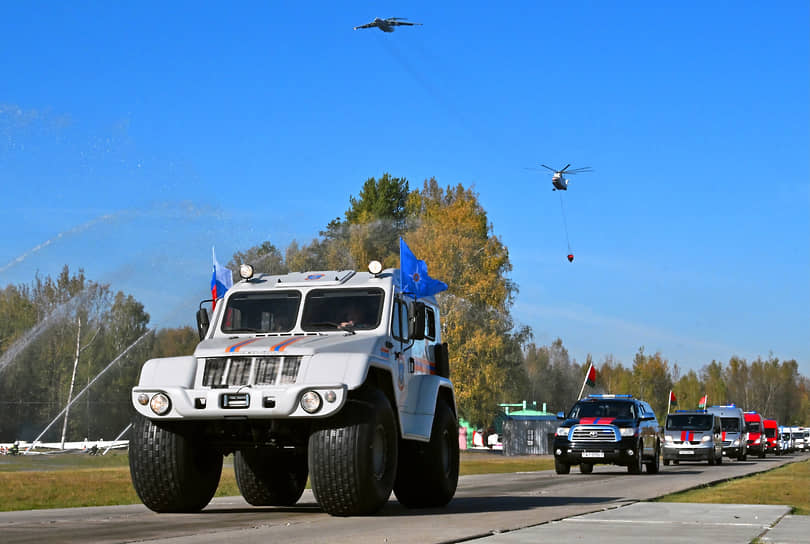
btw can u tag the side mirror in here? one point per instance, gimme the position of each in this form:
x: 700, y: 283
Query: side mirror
x: 417, y: 322
x: 560, y: 415
x: 203, y: 322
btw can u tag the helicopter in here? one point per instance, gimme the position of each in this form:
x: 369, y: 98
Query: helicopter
x: 387, y: 25
x: 558, y: 180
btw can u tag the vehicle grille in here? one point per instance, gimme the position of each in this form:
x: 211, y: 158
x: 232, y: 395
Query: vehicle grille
x: 593, y: 434
x: 238, y: 371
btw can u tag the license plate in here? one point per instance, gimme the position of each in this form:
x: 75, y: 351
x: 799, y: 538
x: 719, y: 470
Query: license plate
x: 599, y: 454
x: 687, y: 452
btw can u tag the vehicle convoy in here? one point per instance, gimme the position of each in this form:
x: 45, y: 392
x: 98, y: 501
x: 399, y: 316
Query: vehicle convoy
x: 608, y: 429
x: 771, y: 430
x: 693, y: 435
x: 756, y: 433
x: 732, y: 420
x: 336, y: 376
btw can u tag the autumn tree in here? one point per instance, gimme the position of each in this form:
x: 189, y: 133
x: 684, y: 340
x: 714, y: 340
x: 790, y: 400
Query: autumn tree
x: 455, y: 239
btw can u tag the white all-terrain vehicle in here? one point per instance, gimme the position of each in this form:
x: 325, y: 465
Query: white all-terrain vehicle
x: 336, y: 376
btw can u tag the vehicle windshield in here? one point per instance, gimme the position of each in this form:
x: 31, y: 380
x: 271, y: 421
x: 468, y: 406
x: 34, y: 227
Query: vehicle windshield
x: 342, y: 309
x: 689, y: 422
x: 261, y: 312
x: 770, y: 432
x: 624, y: 410
x: 752, y: 427
x: 730, y: 424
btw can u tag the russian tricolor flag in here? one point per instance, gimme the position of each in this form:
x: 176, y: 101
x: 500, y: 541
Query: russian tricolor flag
x: 221, y: 281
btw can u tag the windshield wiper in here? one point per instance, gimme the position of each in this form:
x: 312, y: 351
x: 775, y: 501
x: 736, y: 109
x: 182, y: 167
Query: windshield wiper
x: 347, y: 328
x: 245, y: 329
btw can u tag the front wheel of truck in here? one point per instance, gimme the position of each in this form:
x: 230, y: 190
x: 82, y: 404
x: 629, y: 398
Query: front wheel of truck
x: 561, y: 467
x: 171, y: 469
x: 353, y: 456
x: 270, y: 476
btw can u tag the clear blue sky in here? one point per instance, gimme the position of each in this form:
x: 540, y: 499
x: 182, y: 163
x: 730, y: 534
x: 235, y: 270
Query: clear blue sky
x: 133, y: 138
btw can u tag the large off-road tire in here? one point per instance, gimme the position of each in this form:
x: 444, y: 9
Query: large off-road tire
x: 171, y: 469
x: 586, y: 468
x: 427, y: 473
x: 270, y: 476
x: 654, y: 466
x: 353, y: 456
x: 560, y: 467
x: 636, y: 464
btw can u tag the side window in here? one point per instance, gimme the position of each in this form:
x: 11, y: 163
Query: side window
x: 430, y: 323
x: 399, y: 323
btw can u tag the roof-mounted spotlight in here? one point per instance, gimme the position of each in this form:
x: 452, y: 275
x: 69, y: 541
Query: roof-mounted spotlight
x: 246, y: 271
x: 375, y: 267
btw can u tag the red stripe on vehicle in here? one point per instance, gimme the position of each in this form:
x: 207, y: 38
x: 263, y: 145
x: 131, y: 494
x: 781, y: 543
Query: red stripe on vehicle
x: 239, y: 345
x: 281, y: 346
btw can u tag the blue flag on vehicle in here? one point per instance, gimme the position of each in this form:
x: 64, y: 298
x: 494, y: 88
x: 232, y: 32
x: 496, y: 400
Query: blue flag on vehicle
x: 221, y: 281
x: 413, y: 274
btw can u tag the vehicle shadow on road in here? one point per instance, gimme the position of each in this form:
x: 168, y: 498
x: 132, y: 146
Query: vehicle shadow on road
x: 468, y: 505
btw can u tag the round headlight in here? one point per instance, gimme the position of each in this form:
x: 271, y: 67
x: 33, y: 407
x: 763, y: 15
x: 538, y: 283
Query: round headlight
x: 246, y: 271
x: 311, y: 402
x: 160, y: 404
x: 375, y: 267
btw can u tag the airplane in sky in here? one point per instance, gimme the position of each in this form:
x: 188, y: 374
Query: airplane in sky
x: 387, y: 25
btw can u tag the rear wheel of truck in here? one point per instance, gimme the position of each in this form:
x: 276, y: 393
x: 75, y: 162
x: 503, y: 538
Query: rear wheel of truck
x: 560, y: 467
x: 172, y: 471
x: 270, y: 476
x: 654, y: 465
x: 353, y: 457
x: 427, y: 473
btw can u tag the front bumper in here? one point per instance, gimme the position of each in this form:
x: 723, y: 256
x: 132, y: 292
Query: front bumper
x: 622, y: 452
x: 687, y: 452
x: 755, y: 449
x: 732, y: 451
x: 239, y: 402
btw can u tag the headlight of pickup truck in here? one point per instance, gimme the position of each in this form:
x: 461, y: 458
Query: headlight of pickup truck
x: 563, y: 431
x: 628, y: 431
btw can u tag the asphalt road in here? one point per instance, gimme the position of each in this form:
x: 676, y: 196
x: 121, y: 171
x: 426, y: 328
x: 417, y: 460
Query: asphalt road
x: 483, y: 505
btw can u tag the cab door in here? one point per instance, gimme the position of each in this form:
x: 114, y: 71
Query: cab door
x: 403, y: 345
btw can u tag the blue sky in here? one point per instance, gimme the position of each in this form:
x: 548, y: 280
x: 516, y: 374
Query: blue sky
x: 133, y: 138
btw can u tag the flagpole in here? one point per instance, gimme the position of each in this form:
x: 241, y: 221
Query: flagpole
x: 585, y: 381
x: 669, y: 401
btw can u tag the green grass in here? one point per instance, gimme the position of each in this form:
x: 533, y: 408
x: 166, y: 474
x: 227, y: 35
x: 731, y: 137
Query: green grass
x: 788, y: 485
x: 69, y: 480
